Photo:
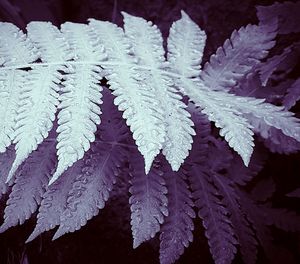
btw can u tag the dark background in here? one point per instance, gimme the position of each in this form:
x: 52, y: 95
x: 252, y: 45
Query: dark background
x: 107, y: 237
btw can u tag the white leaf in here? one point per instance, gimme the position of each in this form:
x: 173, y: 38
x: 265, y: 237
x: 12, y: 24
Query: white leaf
x: 147, y: 45
x: 15, y: 48
x: 133, y: 95
x: 185, y: 46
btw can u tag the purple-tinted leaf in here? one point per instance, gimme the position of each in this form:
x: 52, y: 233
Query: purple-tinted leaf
x: 251, y: 86
x: 287, y: 13
x: 242, y: 229
x: 93, y: 185
x: 293, y: 95
x: 199, y: 150
x: 261, y: 216
x: 238, y: 56
x: 91, y: 188
x: 277, y: 142
x: 30, y: 184
x: 148, y: 201
x: 54, y: 201
x: 6, y: 160
x: 214, y: 215
x: 255, y: 217
x: 267, y: 68
x: 219, y: 155
x: 176, y: 231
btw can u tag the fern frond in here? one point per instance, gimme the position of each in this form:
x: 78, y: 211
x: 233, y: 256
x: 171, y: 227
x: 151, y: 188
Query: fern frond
x: 186, y: 43
x: 81, y: 91
x: 267, y: 68
x: 242, y: 229
x: 134, y: 95
x: 147, y: 45
x: 214, y: 215
x: 176, y: 231
x: 277, y: 142
x: 233, y: 127
x: 36, y: 112
x: 148, y: 201
x: 238, y: 55
x: 15, y: 47
x: 54, y: 201
x: 257, y: 218
x: 79, y: 113
x: 6, y: 160
x: 49, y: 41
x: 11, y: 82
x: 293, y: 95
x: 273, y: 116
x: 93, y: 185
x: 83, y: 42
x: 30, y: 184
x: 286, y: 12
x: 225, y: 110
x: 91, y: 188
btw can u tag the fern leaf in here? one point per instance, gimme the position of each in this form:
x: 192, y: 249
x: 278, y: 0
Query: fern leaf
x: 277, y: 142
x: 201, y: 139
x: 54, y: 201
x: 79, y: 113
x: 286, y: 12
x: 257, y: 217
x: 176, y: 231
x: 83, y: 42
x: 219, y: 156
x: 148, y: 202
x: 242, y: 229
x: 214, y: 215
x: 6, y: 160
x: 147, y: 45
x: 49, y: 41
x: 80, y: 82
x: 233, y: 127
x: 36, y: 112
x: 267, y: 68
x: 91, y: 188
x: 93, y: 185
x: 11, y: 82
x: 133, y: 94
x: 220, y: 106
x: 185, y: 46
x: 30, y: 184
x: 238, y: 56
x: 273, y: 116
x: 73, y: 140
x: 293, y: 95
x: 15, y: 48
